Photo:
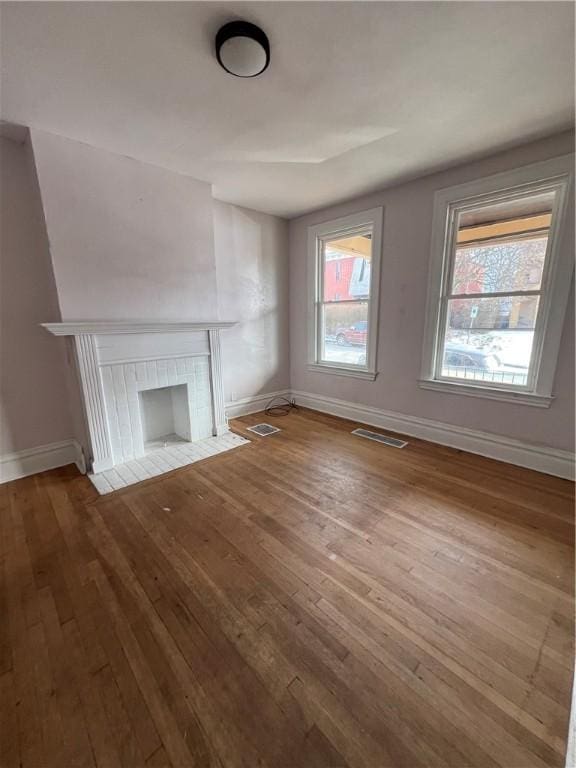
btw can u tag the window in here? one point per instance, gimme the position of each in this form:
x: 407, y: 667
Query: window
x: 499, y: 285
x: 344, y: 258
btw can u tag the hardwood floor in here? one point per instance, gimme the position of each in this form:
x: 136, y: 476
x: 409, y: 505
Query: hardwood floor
x: 310, y: 600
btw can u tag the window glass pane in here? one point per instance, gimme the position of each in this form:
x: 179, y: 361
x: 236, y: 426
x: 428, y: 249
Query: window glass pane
x: 490, y: 340
x: 510, y: 265
x: 501, y: 247
x: 346, y: 267
x: 344, y: 334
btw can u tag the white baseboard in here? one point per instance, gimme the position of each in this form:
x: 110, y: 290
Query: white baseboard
x: 551, y: 461
x: 254, y: 404
x: 32, y: 460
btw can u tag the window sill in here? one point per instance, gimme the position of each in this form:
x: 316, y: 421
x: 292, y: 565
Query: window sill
x: 335, y: 370
x: 503, y: 395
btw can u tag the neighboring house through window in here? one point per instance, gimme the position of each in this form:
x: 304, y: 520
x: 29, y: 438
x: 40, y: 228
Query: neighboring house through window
x: 344, y: 266
x: 498, y: 285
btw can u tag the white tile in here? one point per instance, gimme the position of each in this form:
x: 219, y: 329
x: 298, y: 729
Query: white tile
x: 136, y: 423
x: 181, y: 366
x: 141, y: 373
x: 119, y: 383
x: 180, y: 453
x: 162, y: 368
x: 114, y: 479
x: 152, y: 374
x: 130, y: 378
x: 151, y: 469
x: 202, y: 450
x: 101, y: 484
x: 179, y: 458
x: 211, y: 447
x: 126, y: 473
x: 163, y: 460
x: 166, y: 455
x: 171, y: 372
x: 191, y: 452
x: 157, y: 459
x: 231, y: 441
x: 138, y: 470
x: 197, y: 455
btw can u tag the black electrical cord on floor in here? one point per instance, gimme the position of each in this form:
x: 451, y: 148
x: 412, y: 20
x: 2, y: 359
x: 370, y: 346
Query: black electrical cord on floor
x: 281, y: 408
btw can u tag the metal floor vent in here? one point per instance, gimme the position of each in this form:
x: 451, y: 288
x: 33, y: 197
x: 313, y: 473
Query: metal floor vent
x: 263, y: 429
x: 392, y: 441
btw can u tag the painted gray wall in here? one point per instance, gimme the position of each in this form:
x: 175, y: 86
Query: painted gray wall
x: 406, y: 249
x: 128, y: 240
x: 33, y: 402
x: 251, y: 252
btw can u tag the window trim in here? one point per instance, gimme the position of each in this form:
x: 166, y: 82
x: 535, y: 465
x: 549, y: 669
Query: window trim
x: 342, y: 227
x: 551, y: 175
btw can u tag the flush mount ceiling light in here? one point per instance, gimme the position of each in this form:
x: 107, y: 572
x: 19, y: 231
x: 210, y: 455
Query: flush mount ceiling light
x: 242, y: 49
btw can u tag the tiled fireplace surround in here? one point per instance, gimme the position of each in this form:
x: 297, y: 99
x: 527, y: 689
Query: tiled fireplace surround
x: 117, y: 361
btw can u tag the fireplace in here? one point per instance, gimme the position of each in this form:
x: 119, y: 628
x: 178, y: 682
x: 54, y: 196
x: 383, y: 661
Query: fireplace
x: 165, y: 416
x: 153, y: 396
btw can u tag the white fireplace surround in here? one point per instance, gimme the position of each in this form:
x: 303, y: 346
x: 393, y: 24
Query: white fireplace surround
x: 119, y: 360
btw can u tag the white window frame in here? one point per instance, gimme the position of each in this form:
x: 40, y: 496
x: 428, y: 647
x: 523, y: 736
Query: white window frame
x: 346, y: 226
x: 551, y: 175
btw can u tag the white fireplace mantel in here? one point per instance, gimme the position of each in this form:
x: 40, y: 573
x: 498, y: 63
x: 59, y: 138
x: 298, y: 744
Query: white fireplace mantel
x: 76, y: 327
x: 114, y: 360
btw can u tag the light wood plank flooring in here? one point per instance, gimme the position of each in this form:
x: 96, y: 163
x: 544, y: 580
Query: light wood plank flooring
x: 310, y: 600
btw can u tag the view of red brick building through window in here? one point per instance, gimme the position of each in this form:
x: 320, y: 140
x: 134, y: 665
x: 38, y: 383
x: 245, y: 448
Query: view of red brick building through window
x: 346, y: 267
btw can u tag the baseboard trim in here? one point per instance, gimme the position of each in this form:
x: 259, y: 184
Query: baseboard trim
x: 249, y: 405
x: 13, y: 466
x: 550, y: 461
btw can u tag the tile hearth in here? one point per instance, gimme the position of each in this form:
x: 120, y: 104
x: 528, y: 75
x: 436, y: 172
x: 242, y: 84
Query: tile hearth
x: 164, y: 459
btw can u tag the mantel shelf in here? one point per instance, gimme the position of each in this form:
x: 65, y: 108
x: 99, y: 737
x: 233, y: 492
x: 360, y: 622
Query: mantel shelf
x: 79, y: 327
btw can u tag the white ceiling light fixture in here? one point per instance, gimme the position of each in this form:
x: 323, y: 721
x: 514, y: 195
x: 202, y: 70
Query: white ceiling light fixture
x: 242, y: 49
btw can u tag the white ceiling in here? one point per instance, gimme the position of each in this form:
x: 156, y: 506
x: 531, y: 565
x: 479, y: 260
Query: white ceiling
x: 357, y: 95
